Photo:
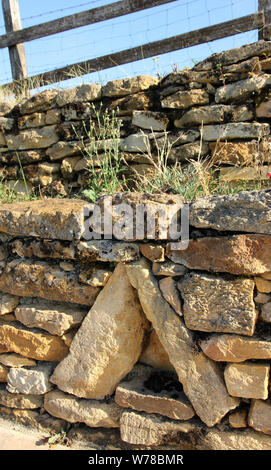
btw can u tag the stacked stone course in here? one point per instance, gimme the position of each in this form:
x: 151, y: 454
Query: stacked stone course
x: 221, y: 109
x: 160, y: 346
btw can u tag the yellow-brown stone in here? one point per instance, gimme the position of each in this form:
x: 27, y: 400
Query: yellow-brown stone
x: 31, y: 344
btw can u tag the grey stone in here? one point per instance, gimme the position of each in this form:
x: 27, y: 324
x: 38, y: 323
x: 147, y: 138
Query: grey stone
x: 247, y: 211
x: 240, y: 130
x: 55, y: 317
x: 215, y: 304
x: 242, y: 89
x: 33, y: 381
x: 93, y: 413
x: 108, y: 250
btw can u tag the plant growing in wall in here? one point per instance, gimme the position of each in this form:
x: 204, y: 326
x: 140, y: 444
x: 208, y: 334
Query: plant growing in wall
x: 104, y: 160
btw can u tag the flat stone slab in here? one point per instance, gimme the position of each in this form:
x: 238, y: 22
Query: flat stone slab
x: 31, y: 278
x: 8, y: 303
x: 234, y: 348
x: 34, y: 344
x: 247, y: 211
x: 201, y: 378
x: 237, y: 254
x: 259, y: 416
x: 215, y: 304
x: 61, y: 219
x: 108, y: 250
x: 15, y: 360
x: 55, y: 317
x: 19, y: 400
x: 150, y: 429
x: 247, y: 380
x: 154, y: 391
x: 94, y: 368
x: 33, y: 381
x: 93, y: 413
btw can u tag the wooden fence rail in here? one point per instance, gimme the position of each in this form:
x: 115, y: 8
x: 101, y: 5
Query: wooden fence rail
x: 15, y: 37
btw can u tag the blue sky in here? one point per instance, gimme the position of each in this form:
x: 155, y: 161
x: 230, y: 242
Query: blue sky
x: 122, y: 33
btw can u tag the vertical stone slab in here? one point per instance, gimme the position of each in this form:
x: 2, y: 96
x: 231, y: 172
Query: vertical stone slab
x: 107, y: 345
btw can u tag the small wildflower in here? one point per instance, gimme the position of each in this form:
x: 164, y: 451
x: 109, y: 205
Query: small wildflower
x: 269, y: 175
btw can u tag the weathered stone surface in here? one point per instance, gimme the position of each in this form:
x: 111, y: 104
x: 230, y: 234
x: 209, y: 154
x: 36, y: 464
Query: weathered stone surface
x: 75, y: 410
x: 171, y: 294
x: 235, y: 55
x: 3, y: 374
x: 247, y: 380
x: 33, y: 381
x: 244, y: 439
x: 38, y: 102
x: 154, y: 253
x: 166, y: 399
x: 215, y: 304
x: 262, y: 298
x: 263, y: 285
x: 242, y: 89
x: 150, y: 120
x: 185, y: 99
x: 233, y: 348
x: 31, y: 248
x: 8, y: 303
x: 168, y: 268
x: 20, y: 401
x: 33, y: 419
x: 29, y: 278
x: 15, y: 360
x: 263, y: 108
x: 239, y: 254
x: 245, y: 174
x: 61, y: 219
x: 247, y: 211
x: 188, y: 152
x: 259, y: 416
x: 68, y: 167
x: 161, y: 211
x: 29, y: 156
x: 94, y: 369
x: 6, y: 107
x: 233, y: 130
x: 204, y: 114
x: 150, y: 429
x: 266, y: 312
x: 135, y: 143
x: 33, y: 139
x: 61, y: 150
x: 239, y: 153
x: 155, y: 354
x: 52, y: 116
x: 94, y: 276
x: 82, y: 93
x: 128, y: 86
x: 32, y: 344
x: 6, y: 124
x: 32, y: 120
x: 184, y: 136
x: 108, y: 251
x: 238, y: 419
x: 201, y: 377
x: 55, y: 317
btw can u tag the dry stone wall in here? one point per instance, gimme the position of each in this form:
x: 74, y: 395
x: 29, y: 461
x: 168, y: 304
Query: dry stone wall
x: 156, y: 344
x: 220, y: 108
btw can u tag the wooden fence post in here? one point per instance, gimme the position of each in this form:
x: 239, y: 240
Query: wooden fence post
x: 265, y: 6
x: 17, y: 56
